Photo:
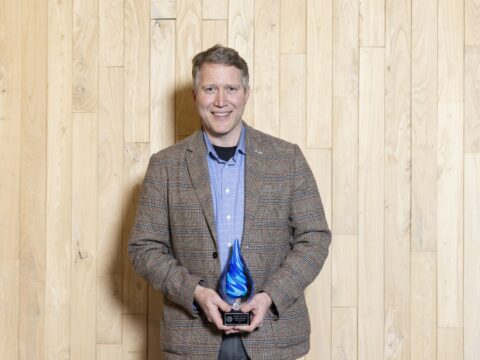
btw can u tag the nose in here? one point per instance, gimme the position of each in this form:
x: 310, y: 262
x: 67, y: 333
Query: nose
x: 220, y: 98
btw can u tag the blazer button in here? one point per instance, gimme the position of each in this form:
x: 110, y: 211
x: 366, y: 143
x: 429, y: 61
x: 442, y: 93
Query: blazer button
x: 215, y: 255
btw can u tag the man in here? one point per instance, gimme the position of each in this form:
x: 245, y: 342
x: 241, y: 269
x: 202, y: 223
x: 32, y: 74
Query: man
x: 229, y: 181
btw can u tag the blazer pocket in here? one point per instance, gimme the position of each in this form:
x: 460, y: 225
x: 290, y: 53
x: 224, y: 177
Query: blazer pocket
x: 293, y: 327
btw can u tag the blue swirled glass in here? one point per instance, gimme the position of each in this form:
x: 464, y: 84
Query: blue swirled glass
x: 236, y: 281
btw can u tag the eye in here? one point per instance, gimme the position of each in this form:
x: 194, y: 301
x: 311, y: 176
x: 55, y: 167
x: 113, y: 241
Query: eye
x: 232, y: 89
x: 209, y: 89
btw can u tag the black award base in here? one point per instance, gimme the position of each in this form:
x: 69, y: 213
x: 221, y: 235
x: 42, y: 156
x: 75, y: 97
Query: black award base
x: 233, y: 318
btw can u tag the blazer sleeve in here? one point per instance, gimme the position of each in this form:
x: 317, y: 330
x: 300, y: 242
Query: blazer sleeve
x: 150, y: 244
x: 310, y: 239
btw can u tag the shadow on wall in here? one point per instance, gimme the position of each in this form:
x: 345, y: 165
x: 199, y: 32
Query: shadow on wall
x: 137, y: 327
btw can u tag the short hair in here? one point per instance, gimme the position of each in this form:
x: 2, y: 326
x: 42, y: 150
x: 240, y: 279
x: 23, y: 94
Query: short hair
x: 223, y: 55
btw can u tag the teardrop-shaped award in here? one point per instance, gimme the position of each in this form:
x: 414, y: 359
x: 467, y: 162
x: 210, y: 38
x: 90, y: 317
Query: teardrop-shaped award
x: 236, y: 287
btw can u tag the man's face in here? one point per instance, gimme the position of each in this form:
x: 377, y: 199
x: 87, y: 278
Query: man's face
x: 221, y: 98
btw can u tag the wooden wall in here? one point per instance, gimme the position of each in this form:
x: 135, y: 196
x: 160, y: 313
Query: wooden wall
x: 383, y: 96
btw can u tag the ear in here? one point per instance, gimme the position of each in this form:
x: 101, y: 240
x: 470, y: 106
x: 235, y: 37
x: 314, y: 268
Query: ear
x: 194, y: 95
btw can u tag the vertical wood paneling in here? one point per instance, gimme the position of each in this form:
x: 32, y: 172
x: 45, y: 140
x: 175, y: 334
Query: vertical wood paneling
x: 188, y: 44
x: 214, y: 32
x: 109, y: 352
x: 33, y: 180
x: 162, y: 85
x: 423, y: 327
x: 450, y: 343
x: 59, y: 180
x: 345, y: 117
x: 85, y: 55
x: 293, y: 21
x: 136, y: 75
x: 372, y: 22
x: 267, y: 66
x: 371, y: 205
x: 9, y: 283
x: 344, y: 330
x: 241, y: 38
x: 472, y: 100
x: 163, y: 9
x: 319, y: 73
x: 84, y: 237
x: 424, y: 125
x: 134, y: 330
x: 215, y: 9
x: 292, y: 98
x: 10, y: 113
x: 134, y: 288
x: 397, y: 179
x: 319, y: 293
x: 472, y: 22
x: 472, y: 256
x: 344, y: 270
x: 111, y: 32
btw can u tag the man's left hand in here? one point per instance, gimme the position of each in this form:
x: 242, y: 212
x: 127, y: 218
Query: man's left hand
x: 259, y: 306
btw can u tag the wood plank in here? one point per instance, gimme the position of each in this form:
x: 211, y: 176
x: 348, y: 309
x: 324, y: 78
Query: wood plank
x: 450, y: 50
x: 319, y: 293
x: 371, y: 205
x: 472, y: 254
x: 450, y: 215
x: 424, y: 125
x: 189, y: 43
x: 33, y: 180
x: 134, y: 288
x: 397, y: 179
x: 109, y: 351
x: 136, y: 67
x: 240, y: 37
x: 84, y: 236
x: 214, y: 9
x: 344, y: 270
x: 163, y: 9
x: 266, y: 66
x: 450, y: 344
x: 344, y: 330
x: 293, y: 21
x: 134, y: 329
x: 214, y: 32
x: 423, y: 326
x: 292, y: 98
x: 111, y: 32
x: 155, y: 309
x: 9, y: 285
x: 372, y: 22
x: 10, y: 116
x: 59, y: 180
x: 110, y: 171
x: 109, y: 309
x: 319, y: 73
x: 85, y: 55
x: 162, y: 85
x: 472, y: 22
x: 472, y: 99
x: 345, y: 117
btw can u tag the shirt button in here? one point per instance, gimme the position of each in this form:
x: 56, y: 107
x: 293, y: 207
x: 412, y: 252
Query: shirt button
x: 215, y: 255
x: 228, y: 217
x: 227, y: 191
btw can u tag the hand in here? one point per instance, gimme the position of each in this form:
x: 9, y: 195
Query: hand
x: 259, y: 306
x: 211, y: 304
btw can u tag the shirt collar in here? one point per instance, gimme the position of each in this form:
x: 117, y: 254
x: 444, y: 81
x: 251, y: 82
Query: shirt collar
x: 240, y: 146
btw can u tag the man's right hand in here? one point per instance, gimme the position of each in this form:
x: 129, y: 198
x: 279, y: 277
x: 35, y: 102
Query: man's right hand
x: 211, y: 304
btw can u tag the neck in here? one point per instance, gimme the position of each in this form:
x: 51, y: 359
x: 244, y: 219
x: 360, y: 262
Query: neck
x: 229, y: 140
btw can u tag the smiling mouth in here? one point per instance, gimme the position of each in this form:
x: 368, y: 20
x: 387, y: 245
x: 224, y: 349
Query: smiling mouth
x: 221, y: 114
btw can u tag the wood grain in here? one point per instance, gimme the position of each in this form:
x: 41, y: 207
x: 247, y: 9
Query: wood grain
x: 162, y: 85
x: 450, y: 344
x: 372, y: 22
x: 136, y: 71
x: 85, y: 55
x: 344, y: 330
x: 214, y: 32
x: 319, y: 73
x: 472, y: 23
x: 344, y: 270
x: 371, y: 205
x: 111, y: 16
x: 9, y: 283
x: 293, y: 25
x: 215, y: 9
x: 472, y: 100
x: 163, y: 9
x: 134, y: 330
x: 472, y: 254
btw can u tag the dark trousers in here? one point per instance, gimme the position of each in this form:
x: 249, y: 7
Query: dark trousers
x: 232, y: 348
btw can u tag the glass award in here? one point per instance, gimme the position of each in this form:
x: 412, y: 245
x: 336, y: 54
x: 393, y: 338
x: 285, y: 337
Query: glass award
x: 236, y: 287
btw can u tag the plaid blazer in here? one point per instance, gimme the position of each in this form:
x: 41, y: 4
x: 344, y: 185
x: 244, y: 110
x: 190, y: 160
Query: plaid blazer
x: 285, y: 243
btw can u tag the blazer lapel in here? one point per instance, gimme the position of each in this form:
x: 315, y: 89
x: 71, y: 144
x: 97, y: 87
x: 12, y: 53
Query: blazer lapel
x: 255, y: 162
x: 198, y: 170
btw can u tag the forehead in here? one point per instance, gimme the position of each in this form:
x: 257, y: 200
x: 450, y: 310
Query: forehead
x: 219, y: 73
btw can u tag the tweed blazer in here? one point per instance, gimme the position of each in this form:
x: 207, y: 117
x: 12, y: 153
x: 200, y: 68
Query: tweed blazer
x: 285, y: 243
